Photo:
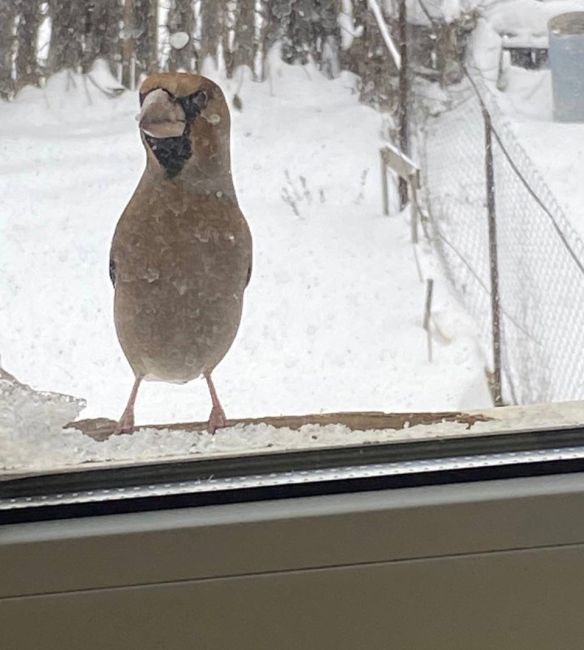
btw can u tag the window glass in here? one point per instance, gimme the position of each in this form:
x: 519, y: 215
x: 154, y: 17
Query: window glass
x: 262, y: 225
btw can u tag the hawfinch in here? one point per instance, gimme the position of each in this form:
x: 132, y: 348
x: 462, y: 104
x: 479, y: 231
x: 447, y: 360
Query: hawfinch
x: 181, y: 255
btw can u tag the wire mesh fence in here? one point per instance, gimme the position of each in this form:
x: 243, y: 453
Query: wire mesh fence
x: 541, y: 277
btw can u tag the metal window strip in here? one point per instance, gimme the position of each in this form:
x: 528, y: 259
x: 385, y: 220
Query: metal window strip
x: 285, y: 478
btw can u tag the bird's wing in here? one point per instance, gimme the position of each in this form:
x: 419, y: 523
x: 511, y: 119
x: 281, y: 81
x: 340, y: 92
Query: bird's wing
x: 249, y: 273
x: 112, y: 270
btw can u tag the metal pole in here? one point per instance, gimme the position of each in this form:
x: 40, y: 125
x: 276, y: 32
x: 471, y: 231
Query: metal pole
x: 493, y: 263
x: 404, y: 143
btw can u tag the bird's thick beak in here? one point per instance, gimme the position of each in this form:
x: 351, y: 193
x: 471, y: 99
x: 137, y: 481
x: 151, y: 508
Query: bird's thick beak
x: 161, y: 117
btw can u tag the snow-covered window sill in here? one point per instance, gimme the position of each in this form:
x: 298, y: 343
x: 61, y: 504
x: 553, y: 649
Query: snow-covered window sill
x: 263, y: 458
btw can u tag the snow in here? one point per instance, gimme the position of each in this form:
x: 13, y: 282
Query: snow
x: 178, y: 40
x: 26, y: 412
x: 525, y: 97
x: 347, y: 25
x: 42, y: 445
x: 333, y: 313
x: 525, y: 22
x: 555, y: 148
x: 376, y: 10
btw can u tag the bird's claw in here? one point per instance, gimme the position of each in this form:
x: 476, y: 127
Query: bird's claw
x: 125, y: 425
x: 217, y: 419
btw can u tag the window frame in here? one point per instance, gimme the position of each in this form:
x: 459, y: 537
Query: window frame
x: 283, y: 475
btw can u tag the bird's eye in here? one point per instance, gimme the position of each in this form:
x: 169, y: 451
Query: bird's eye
x: 195, y: 103
x: 201, y: 99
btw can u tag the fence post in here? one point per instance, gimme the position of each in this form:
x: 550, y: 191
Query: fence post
x: 493, y: 262
x: 384, y: 184
x: 403, y: 96
x: 414, y: 212
x: 428, y: 315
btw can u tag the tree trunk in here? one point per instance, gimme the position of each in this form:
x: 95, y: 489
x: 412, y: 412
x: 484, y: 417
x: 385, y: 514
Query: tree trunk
x: 128, y: 45
x: 147, y: 36
x: 181, y: 18
x: 29, y: 18
x: 297, y: 30
x: 245, y: 41
x: 7, y: 18
x: 212, y: 20
x: 276, y: 16
x: 102, y: 18
x: 327, y: 37
x: 369, y: 59
x: 228, y: 18
x: 310, y: 31
x: 65, y: 47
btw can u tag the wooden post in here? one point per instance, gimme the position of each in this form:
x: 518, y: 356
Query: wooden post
x: 428, y: 314
x: 493, y: 262
x: 384, y: 184
x: 403, y: 96
x: 414, y: 213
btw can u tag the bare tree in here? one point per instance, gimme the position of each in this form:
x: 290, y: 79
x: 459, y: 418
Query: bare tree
x: 128, y: 45
x: 181, y: 19
x: 7, y: 43
x: 212, y: 18
x: 327, y: 36
x: 65, y: 47
x: 308, y: 29
x: 26, y: 65
x: 297, y: 31
x: 269, y: 26
x: 244, y: 38
x: 101, y: 32
x: 146, y: 12
x: 369, y: 58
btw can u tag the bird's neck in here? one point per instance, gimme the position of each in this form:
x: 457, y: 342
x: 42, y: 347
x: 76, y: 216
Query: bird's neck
x: 196, y: 179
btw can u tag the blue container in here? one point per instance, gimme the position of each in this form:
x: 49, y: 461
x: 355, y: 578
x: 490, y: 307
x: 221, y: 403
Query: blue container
x: 566, y: 37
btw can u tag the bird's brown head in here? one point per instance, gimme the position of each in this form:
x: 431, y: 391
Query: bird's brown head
x: 185, y: 125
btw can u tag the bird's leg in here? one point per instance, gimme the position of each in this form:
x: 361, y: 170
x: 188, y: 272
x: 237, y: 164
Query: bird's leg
x: 126, y: 423
x: 217, y: 418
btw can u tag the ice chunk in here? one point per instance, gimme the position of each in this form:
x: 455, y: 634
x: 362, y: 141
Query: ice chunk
x: 28, y: 419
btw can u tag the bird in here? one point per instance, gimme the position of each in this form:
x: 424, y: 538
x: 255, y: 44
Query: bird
x: 181, y: 253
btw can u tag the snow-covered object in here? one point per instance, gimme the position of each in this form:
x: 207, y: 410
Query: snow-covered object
x: 556, y: 149
x: 484, y: 51
x: 524, y: 23
x: 347, y: 26
x: 101, y: 76
x: 178, y: 40
x: 567, y: 66
x: 374, y: 6
x: 31, y: 449
x: 29, y: 421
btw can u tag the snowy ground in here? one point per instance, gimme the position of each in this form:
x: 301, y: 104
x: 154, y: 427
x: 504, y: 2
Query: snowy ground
x: 556, y: 149
x: 333, y: 314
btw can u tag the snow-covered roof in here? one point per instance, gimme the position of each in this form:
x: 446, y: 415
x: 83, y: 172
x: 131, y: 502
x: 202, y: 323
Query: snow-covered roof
x: 524, y: 23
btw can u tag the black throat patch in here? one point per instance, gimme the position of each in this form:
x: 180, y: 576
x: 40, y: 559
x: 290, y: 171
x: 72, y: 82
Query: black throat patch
x: 172, y: 153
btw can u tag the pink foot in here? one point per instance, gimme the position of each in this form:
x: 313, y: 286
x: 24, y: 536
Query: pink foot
x: 125, y: 425
x: 217, y: 419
